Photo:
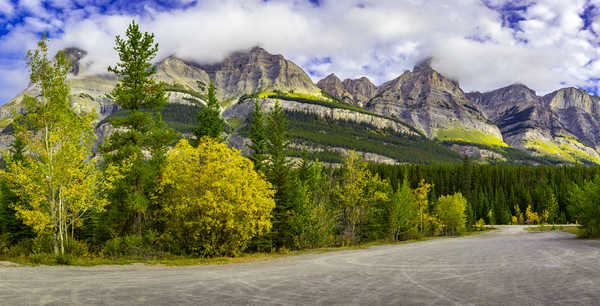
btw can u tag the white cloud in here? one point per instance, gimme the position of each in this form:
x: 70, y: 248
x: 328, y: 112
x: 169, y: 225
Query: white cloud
x: 6, y: 7
x: 379, y: 39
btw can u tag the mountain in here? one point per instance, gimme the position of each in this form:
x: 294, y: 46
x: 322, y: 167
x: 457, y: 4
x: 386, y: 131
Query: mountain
x: 419, y: 117
x: 563, y: 125
x: 435, y: 105
x: 254, y: 71
x: 352, y: 91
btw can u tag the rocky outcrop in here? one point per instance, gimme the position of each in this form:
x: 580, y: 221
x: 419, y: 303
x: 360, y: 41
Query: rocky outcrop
x: 74, y: 55
x: 430, y: 102
x: 367, y: 156
x: 361, y: 89
x: 357, y: 91
x: 243, y: 110
x: 334, y: 86
x: 478, y: 153
x: 576, y: 113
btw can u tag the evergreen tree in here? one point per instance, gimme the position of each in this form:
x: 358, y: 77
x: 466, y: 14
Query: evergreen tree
x: 10, y: 224
x: 210, y: 122
x: 138, y: 134
x: 279, y: 175
x: 258, y: 137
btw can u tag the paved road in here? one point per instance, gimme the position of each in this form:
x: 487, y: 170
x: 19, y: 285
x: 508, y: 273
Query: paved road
x: 504, y: 267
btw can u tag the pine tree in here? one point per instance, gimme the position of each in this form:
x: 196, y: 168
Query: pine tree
x: 279, y: 175
x: 210, y: 122
x: 138, y: 134
x: 10, y: 224
x: 258, y: 137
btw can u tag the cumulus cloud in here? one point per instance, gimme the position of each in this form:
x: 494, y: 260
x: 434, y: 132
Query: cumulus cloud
x: 6, y: 7
x: 545, y: 44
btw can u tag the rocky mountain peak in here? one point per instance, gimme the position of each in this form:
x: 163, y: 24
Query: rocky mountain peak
x: 361, y: 89
x: 424, y: 65
x: 257, y: 70
x: 353, y: 91
x: 573, y: 97
x: 74, y: 55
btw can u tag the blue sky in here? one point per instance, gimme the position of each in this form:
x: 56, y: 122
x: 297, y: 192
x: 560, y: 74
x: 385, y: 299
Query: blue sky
x: 484, y: 44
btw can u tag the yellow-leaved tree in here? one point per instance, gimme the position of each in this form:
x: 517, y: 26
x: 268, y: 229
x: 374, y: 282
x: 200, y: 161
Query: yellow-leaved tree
x: 56, y: 181
x: 421, y: 197
x: 357, y: 191
x: 214, y: 201
x: 450, y: 210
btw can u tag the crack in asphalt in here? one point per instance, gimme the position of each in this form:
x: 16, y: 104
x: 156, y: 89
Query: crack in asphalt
x: 508, y: 266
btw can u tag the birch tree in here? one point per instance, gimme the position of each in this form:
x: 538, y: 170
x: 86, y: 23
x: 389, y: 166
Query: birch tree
x: 55, y: 180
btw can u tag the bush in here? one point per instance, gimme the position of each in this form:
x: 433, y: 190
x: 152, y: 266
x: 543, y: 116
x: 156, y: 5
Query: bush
x: 77, y: 248
x: 65, y: 259
x: 132, y: 245
x: 4, y: 243
x: 480, y: 225
x: 22, y: 248
x: 214, y: 201
x: 42, y: 258
x: 42, y: 244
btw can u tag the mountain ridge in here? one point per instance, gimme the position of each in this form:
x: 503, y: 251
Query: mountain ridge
x: 564, y: 124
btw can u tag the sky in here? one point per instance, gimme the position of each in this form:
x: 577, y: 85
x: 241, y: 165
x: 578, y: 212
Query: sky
x: 483, y: 44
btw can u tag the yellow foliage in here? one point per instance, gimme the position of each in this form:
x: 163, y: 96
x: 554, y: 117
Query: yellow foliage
x: 451, y: 213
x: 213, y: 199
x: 532, y: 217
x: 358, y: 189
x: 421, y: 196
x: 514, y: 220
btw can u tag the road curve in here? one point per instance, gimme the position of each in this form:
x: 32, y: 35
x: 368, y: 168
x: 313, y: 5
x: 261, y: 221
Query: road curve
x: 508, y: 266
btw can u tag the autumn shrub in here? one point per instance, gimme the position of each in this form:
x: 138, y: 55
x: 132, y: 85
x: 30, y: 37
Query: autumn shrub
x: 480, y: 225
x: 214, y: 201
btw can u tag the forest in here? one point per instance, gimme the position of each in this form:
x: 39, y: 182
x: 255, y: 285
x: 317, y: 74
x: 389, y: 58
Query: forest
x: 151, y: 193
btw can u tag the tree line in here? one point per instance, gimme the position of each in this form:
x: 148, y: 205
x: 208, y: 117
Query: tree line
x: 151, y: 192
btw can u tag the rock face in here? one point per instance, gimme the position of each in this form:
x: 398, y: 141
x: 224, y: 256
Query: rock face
x: 243, y: 110
x: 255, y: 71
x: 577, y: 113
x: 357, y: 91
x: 517, y: 111
x: 334, y: 86
x: 430, y: 102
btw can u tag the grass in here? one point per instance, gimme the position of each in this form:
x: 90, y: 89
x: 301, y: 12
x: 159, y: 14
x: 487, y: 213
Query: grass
x: 551, y: 148
x: 563, y: 151
x: 470, y: 136
x: 89, y: 261
x: 573, y: 229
